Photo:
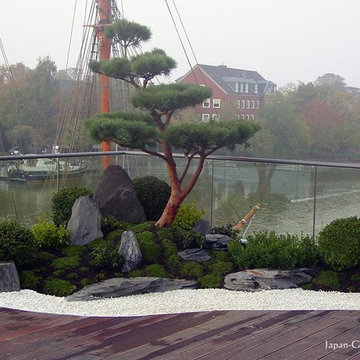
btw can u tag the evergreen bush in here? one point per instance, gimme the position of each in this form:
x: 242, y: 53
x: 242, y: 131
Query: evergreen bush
x: 58, y: 287
x: 47, y: 235
x: 106, y: 258
x: 153, y: 195
x: 266, y: 249
x: 155, y: 270
x: 210, y: 281
x: 188, y: 215
x: 191, y: 270
x: 339, y: 243
x: 63, y: 200
x: 150, y: 249
x: 16, y: 243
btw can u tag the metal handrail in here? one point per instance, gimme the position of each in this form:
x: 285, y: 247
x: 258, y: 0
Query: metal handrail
x: 235, y: 158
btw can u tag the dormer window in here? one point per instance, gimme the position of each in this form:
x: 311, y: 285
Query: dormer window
x: 241, y: 87
x: 246, y: 88
x: 256, y: 89
x: 237, y: 87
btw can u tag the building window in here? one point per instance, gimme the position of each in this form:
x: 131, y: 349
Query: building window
x: 238, y: 104
x: 215, y: 117
x: 206, y: 103
x: 252, y: 117
x: 256, y: 89
x: 246, y: 88
x: 248, y: 104
x: 205, y: 118
x: 252, y: 104
x: 241, y: 87
x: 243, y: 116
x: 247, y: 117
x: 216, y: 103
x: 237, y: 87
x: 238, y: 116
x: 257, y: 104
x: 243, y: 104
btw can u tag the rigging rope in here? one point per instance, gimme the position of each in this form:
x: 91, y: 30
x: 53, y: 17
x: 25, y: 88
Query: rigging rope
x: 181, y: 42
x: 71, y: 35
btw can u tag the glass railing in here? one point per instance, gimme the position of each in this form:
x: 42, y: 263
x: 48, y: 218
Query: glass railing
x: 296, y: 197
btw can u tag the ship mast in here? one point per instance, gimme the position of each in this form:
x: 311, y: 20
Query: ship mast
x: 105, y: 18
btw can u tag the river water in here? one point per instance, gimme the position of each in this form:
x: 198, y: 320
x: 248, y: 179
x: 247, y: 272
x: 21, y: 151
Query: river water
x: 225, y: 190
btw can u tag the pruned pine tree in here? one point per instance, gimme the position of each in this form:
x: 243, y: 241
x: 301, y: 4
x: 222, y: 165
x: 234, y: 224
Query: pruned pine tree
x: 152, y: 127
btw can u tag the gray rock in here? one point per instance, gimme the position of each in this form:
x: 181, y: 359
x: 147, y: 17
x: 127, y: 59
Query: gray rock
x: 195, y: 255
x: 130, y: 250
x: 266, y: 279
x: 85, y: 222
x: 9, y: 278
x: 217, y: 241
x: 116, y: 196
x: 203, y: 227
x: 124, y: 287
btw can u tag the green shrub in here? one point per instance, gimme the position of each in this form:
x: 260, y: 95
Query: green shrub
x: 183, y: 239
x: 106, y: 258
x: 187, y: 216
x: 355, y: 277
x: 66, y: 262
x: 168, y: 248
x: 47, y: 235
x: 16, y: 243
x: 150, y: 249
x: 98, y: 243
x: 153, y: 195
x: 328, y: 279
x: 115, y: 236
x: 28, y: 280
x: 58, y: 287
x: 236, y: 251
x: 220, y: 267
x: 210, y: 281
x: 173, y: 265
x: 136, y: 273
x: 220, y: 255
x: 226, y: 230
x: 339, y: 243
x: 146, y: 226
x: 85, y: 281
x: 191, y: 270
x: 45, y: 256
x: 74, y: 250
x: 63, y: 200
x: 155, y: 270
x: 109, y: 224
x: 266, y: 249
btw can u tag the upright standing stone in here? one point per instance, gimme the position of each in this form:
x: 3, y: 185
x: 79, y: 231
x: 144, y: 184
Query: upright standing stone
x: 9, y: 278
x: 85, y: 221
x: 116, y: 196
x: 130, y: 250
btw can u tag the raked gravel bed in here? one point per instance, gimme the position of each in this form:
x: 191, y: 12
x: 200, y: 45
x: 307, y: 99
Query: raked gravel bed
x: 179, y: 301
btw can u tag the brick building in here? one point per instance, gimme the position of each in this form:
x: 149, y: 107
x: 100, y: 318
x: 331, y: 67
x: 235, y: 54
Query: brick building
x: 241, y: 91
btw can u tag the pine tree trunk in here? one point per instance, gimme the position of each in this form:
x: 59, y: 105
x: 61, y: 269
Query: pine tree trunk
x: 170, y: 211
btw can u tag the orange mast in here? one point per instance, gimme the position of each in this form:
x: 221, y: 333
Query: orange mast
x: 105, y: 17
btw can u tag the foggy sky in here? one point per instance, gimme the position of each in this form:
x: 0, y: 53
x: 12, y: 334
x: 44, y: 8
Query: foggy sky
x: 284, y: 40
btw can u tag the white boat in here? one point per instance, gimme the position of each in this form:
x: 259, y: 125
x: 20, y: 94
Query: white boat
x: 44, y: 169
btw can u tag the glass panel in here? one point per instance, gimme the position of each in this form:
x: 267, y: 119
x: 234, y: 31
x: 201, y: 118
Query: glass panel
x: 338, y: 195
x: 281, y: 190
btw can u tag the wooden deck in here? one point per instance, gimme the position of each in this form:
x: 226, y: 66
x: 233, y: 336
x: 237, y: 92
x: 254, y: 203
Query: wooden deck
x: 214, y: 335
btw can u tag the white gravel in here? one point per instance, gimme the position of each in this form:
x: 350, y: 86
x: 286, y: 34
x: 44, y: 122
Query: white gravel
x: 179, y: 301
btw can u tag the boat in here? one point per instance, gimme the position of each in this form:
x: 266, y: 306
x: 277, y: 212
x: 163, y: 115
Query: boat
x: 45, y: 169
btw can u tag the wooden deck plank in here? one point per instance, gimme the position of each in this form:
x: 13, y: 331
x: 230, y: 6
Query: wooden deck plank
x: 261, y: 346
x: 227, y: 322
x: 331, y: 332
x: 203, y: 335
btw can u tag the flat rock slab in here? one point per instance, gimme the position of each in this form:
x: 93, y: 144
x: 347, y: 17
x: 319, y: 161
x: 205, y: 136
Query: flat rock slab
x: 267, y: 279
x: 9, y: 278
x: 216, y: 241
x: 195, y: 254
x: 117, y: 287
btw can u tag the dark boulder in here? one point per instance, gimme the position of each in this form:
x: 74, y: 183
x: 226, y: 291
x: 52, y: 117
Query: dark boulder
x: 9, y: 278
x: 116, y: 196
